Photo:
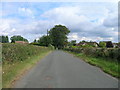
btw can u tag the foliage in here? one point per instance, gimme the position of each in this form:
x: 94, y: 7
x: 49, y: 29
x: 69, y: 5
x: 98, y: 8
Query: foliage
x: 17, y: 58
x: 108, y: 59
x: 35, y: 43
x: 4, y: 39
x: 58, y: 35
x: 17, y: 38
x: 74, y: 46
x: 16, y: 52
x: 108, y: 53
x: 102, y: 44
x: 109, y: 44
x: 51, y: 47
x: 44, y: 41
x: 86, y: 45
x: 108, y: 66
x: 72, y: 43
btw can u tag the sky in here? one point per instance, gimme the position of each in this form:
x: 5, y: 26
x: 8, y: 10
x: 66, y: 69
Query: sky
x: 90, y: 21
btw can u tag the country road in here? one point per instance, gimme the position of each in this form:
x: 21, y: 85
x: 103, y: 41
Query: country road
x: 62, y: 70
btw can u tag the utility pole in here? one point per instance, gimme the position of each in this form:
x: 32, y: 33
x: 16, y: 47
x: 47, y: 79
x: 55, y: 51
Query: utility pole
x: 47, y: 32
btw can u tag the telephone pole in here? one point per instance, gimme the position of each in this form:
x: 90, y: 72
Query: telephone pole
x: 47, y: 32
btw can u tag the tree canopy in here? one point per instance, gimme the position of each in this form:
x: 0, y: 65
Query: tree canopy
x: 44, y: 41
x: 18, y: 38
x: 4, y: 39
x: 102, y: 44
x: 58, y: 35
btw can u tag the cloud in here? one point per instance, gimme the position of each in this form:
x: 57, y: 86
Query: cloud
x: 76, y: 20
x: 111, y: 20
x: 31, y: 30
x: 70, y: 16
x: 86, y: 21
x: 26, y: 12
x: 6, y: 26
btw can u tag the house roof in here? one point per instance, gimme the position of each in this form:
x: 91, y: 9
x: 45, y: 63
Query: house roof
x: 89, y: 43
x: 21, y: 42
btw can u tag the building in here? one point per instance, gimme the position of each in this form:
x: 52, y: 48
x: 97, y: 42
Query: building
x: 116, y: 45
x: 94, y: 44
x: 22, y: 42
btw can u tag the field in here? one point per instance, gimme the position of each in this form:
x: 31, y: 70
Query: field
x: 17, y: 59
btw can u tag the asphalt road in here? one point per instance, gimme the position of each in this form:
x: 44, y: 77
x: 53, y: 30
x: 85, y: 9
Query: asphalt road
x: 62, y: 70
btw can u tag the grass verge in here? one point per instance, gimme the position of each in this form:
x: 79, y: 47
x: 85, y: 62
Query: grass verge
x: 108, y: 66
x: 12, y: 72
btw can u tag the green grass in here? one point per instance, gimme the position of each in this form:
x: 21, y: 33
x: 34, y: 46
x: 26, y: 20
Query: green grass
x: 19, y: 58
x: 0, y: 76
x: 108, y: 66
x: 15, y: 70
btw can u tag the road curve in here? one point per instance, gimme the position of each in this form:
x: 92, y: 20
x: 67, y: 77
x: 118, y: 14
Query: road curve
x: 61, y: 70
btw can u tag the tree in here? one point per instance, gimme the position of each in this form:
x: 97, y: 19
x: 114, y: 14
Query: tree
x: 45, y: 41
x: 102, y: 44
x: 17, y: 38
x: 4, y: 39
x: 73, y: 42
x: 35, y: 41
x: 58, y: 35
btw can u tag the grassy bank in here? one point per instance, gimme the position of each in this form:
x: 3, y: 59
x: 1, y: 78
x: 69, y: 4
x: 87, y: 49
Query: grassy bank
x: 108, y: 66
x: 19, y: 58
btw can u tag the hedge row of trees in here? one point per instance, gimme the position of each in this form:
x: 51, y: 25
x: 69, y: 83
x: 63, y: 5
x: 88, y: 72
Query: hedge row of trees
x: 109, y: 53
x: 5, y: 39
x: 17, y: 38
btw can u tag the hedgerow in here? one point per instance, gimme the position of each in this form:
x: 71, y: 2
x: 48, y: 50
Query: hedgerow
x: 12, y: 52
x: 109, y: 53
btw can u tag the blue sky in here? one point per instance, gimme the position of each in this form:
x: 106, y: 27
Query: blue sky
x: 96, y: 21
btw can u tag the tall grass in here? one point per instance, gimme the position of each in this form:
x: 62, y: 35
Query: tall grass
x: 108, y: 66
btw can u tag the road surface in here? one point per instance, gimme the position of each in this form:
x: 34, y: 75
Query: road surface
x: 62, y: 70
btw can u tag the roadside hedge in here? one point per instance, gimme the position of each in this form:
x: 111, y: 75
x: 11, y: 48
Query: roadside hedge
x: 109, y: 53
x: 12, y: 52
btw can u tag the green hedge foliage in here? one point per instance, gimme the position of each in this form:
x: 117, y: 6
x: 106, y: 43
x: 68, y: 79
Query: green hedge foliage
x: 109, y: 53
x: 19, y: 52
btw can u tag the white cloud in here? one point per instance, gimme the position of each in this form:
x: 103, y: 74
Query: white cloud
x: 91, y: 22
x: 26, y: 12
x: 31, y: 30
x: 6, y: 26
x: 99, y: 26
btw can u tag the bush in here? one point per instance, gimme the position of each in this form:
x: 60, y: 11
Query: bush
x: 102, y: 44
x: 19, y: 52
x: 51, y: 47
x: 109, y: 53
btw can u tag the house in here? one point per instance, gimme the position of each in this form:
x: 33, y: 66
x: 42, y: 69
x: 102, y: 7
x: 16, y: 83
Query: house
x: 116, y: 45
x: 21, y: 42
x: 94, y: 44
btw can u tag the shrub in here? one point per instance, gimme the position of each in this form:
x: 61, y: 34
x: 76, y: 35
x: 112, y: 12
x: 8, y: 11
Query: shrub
x: 109, y: 53
x: 19, y: 52
x: 102, y: 44
x: 51, y: 46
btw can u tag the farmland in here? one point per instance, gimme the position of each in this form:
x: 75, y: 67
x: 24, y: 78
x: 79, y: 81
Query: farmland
x: 17, y: 58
